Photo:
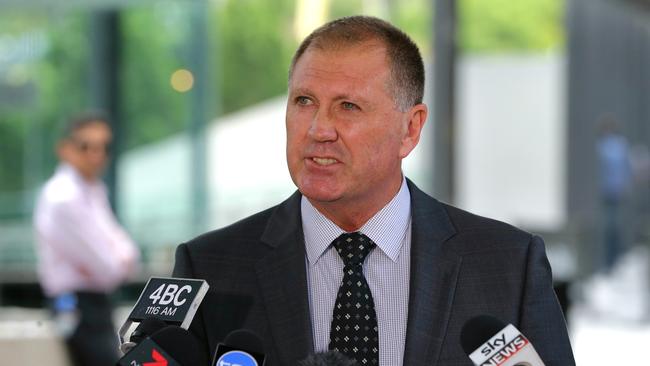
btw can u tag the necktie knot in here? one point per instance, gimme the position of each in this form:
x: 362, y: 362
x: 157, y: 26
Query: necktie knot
x: 353, y: 247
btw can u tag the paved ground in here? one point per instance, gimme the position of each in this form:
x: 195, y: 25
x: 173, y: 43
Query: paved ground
x: 611, y: 323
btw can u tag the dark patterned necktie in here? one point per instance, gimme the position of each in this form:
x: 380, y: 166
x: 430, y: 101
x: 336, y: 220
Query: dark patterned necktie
x: 354, y: 324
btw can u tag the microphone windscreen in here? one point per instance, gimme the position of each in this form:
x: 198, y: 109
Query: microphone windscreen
x: 329, y: 358
x: 146, y: 328
x: 479, y: 330
x: 180, y: 345
x: 244, y: 339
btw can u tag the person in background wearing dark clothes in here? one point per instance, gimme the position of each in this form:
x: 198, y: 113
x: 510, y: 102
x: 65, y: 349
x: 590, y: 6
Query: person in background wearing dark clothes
x: 83, y: 252
x: 615, y: 184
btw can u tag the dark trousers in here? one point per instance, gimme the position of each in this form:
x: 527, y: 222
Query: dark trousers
x: 613, y: 231
x: 94, y: 341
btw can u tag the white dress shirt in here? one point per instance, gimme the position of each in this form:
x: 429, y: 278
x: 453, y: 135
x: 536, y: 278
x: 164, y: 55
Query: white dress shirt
x: 80, y: 245
x: 386, y: 269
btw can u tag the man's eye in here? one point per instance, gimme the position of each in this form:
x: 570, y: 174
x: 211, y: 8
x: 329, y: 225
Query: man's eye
x: 303, y: 100
x: 348, y: 105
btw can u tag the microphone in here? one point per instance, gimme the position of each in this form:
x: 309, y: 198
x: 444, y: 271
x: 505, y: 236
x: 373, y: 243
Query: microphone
x: 241, y: 348
x: 489, y: 342
x: 145, y: 329
x: 329, y: 358
x: 173, y: 301
x: 171, y: 346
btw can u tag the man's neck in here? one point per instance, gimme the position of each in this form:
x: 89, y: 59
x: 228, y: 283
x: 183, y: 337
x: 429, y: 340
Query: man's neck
x: 351, y: 216
x: 346, y: 219
x: 83, y: 177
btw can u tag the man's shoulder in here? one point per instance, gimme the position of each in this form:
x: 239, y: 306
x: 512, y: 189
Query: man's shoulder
x: 479, y: 234
x: 60, y: 190
x: 461, y: 220
x: 465, y: 221
x: 248, y: 228
x: 246, y: 234
x: 468, y: 231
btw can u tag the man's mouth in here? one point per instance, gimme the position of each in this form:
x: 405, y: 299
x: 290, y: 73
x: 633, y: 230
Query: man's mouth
x: 324, y: 161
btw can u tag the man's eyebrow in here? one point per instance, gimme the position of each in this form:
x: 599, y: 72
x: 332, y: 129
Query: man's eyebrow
x: 300, y: 91
x: 343, y: 96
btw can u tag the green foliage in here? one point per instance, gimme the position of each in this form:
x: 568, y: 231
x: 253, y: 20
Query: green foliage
x: 152, y: 51
x: 506, y: 25
x: 342, y: 8
x: 415, y: 18
x: 28, y: 134
x: 62, y: 79
x: 21, y: 22
x: 11, y: 154
x: 62, y: 76
x: 254, y: 45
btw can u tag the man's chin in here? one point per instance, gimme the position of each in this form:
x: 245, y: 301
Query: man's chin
x: 322, y: 196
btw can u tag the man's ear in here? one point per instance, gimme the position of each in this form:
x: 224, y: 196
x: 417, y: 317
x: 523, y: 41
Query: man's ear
x: 416, y: 117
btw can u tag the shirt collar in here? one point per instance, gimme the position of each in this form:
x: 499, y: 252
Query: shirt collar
x: 386, y: 228
x: 70, y: 171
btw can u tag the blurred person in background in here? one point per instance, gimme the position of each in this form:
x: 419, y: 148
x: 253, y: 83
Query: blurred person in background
x: 83, y: 252
x: 615, y: 184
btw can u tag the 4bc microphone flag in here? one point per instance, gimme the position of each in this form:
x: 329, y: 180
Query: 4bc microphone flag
x: 172, y: 300
x: 169, y: 299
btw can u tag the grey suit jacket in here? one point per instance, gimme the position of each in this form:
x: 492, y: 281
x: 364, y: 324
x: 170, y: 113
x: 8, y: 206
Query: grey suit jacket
x: 462, y: 265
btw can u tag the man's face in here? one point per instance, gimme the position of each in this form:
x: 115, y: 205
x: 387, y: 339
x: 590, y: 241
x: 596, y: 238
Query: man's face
x: 87, y: 149
x: 345, y: 136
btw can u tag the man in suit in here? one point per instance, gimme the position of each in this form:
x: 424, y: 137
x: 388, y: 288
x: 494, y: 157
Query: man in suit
x: 360, y: 260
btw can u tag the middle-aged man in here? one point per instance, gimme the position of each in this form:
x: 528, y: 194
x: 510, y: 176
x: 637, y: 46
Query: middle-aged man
x: 359, y: 259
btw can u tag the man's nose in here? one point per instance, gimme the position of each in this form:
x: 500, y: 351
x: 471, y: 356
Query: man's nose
x: 323, y: 127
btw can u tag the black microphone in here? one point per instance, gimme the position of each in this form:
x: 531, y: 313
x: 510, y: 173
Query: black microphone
x: 488, y: 341
x: 329, y: 358
x: 173, y: 301
x: 146, y: 328
x: 241, y: 347
x: 171, y: 346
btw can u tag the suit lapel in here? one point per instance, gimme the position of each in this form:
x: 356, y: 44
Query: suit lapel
x: 434, y: 273
x: 283, y: 283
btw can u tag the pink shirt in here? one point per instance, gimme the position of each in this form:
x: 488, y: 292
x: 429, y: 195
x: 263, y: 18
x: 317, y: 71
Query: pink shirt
x: 80, y: 244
